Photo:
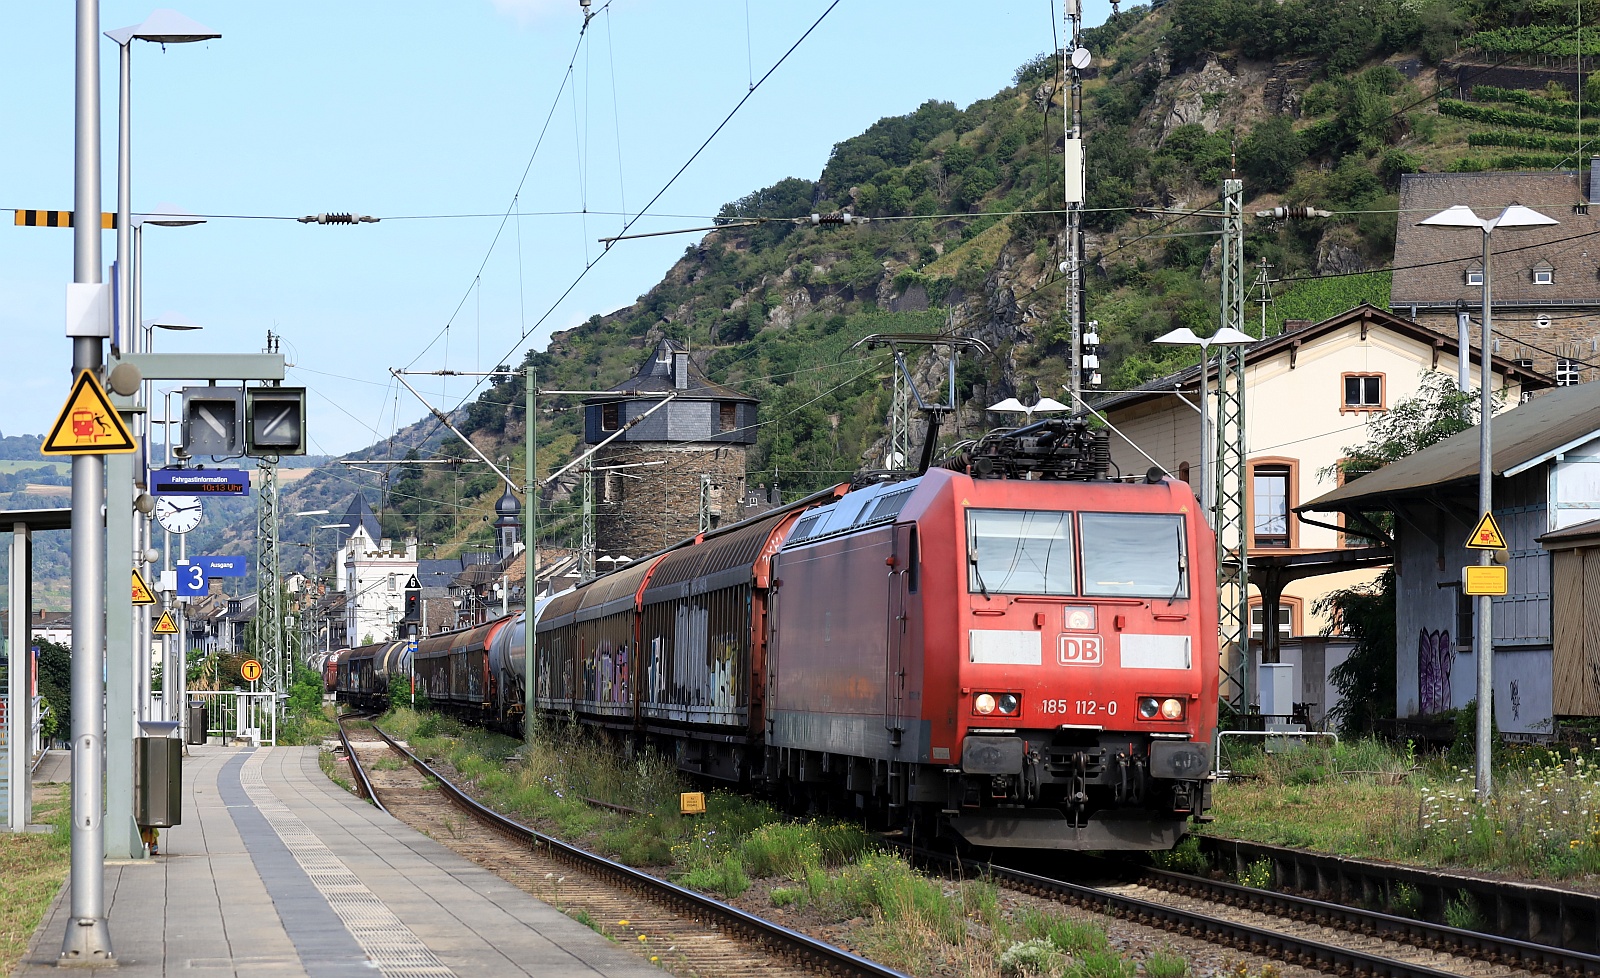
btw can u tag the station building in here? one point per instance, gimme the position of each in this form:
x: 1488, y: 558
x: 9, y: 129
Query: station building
x: 1546, y: 630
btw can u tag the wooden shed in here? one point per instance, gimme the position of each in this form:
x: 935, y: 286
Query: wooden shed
x: 1575, y: 610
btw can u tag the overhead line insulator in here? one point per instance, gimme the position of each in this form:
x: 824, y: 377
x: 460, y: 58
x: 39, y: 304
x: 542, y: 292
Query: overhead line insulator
x: 838, y: 217
x: 340, y: 217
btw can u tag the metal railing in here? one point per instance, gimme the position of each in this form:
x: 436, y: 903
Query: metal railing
x: 236, y: 714
x: 1271, y: 740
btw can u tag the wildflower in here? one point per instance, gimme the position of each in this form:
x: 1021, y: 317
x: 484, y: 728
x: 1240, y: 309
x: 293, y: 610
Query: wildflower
x: 622, y: 923
x: 643, y: 938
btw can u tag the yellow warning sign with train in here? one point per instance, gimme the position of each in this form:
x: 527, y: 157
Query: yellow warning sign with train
x: 88, y: 424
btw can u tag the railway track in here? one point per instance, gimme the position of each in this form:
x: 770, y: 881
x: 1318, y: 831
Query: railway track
x: 1296, y: 930
x: 686, y: 932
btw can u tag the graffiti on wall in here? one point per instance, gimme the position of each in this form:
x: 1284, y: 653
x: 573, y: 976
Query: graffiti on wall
x: 1435, y: 655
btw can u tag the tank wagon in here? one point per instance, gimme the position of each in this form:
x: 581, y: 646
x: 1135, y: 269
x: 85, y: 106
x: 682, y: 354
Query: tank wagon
x: 1012, y: 647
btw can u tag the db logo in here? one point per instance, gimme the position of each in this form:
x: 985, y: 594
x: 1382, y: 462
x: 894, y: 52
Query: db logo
x: 1080, y: 651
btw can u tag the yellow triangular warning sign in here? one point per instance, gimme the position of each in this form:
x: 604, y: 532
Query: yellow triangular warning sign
x: 88, y: 424
x: 166, y: 626
x: 141, y: 590
x: 1487, y: 535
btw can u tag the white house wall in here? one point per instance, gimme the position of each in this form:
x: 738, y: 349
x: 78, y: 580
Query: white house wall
x: 1575, y: 487
x: 1292, y: 413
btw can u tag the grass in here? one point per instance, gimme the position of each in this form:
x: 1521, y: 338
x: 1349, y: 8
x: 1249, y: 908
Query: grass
x: 829, y: 870
x: 1369, y: 800
x: 32, y: 869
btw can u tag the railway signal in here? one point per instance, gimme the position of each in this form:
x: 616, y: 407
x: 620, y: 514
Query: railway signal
x: 275, y: 420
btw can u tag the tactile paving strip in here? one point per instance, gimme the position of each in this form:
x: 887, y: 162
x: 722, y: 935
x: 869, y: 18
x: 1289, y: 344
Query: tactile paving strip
x: 389, y: 943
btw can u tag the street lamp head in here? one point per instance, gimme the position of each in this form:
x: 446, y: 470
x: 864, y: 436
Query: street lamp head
x: 1182, y: 336
x: 1462, y: 216
x: 332, y: 526
x: 1009, y: 404
x: 168, y: 216
x: 165, y: 27
x: 1228, y: 336
x: 312, y: 512
x: 173, y: 321
x: 1049, y: 404
x: 1518, y: 216
x: 1457, y: 216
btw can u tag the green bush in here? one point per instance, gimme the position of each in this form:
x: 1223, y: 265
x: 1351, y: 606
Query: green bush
x: 1257, y: 875
x: 725, y: 876
x: 1165, y: 964
x: 1031, y: 959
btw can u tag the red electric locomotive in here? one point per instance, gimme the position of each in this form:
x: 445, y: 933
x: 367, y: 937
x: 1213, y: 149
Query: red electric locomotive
x: 1032, y: 659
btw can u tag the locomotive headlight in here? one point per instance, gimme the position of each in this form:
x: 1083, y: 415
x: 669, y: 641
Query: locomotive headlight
x: 1161, y: 708
x: 984, y: 703
x: 1079, y: 618
x: 1009, y: 704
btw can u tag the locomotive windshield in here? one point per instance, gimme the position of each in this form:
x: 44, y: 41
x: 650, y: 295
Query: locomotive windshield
x: 1019, y: 551
x: 1134, y: 555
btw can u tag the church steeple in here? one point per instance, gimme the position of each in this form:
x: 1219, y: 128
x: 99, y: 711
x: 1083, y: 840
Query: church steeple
x: 505, y: 527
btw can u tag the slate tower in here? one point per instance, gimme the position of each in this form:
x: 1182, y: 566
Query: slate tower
x: 647, y: 482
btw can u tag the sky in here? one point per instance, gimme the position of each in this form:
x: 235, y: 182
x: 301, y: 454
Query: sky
x: 440, y: 119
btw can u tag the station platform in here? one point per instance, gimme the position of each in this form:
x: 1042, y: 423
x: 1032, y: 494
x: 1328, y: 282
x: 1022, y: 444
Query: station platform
x: 276, y: 871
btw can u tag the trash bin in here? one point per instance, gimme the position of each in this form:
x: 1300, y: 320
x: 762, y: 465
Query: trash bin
x: 158, y: 776
x: 197, y: 722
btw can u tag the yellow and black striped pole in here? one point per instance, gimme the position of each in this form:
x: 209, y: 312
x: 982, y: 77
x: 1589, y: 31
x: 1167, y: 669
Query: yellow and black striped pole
x: 58, y: 219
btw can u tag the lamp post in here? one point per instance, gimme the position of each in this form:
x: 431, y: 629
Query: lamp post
x: 313, y: 548
x: 1461, y: 216
x: 122, y: 836
x: 172, y: 697
x: 1226, y: 336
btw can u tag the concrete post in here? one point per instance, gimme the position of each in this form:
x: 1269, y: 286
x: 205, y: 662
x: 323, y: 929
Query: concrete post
x: 19, y: 681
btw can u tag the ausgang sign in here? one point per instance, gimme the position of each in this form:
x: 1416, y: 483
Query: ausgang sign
x: 200, y: 482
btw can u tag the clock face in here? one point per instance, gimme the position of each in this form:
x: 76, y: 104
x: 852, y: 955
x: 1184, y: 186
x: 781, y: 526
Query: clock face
x: 178, y: 514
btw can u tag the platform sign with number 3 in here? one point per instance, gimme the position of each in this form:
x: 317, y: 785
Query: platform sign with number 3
x: 191, y: 579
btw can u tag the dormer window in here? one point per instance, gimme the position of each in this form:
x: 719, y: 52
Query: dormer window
x: 1544, y: 273
x: 1475, y: 275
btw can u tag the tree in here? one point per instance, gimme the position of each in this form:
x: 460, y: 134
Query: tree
x: 55, y: 682
x: 1366, y: 613
x: 1271, y: 154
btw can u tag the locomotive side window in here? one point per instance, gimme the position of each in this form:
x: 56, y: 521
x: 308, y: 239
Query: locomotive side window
x: 1019, y: 551
x: 914, y: 571
x: 1134, y: 555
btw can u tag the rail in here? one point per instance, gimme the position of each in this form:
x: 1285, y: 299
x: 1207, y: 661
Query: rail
x: 356, y: 767
x: 1533, y: 913
x: 813, y: 952
x: 1256, y: 940
x: 1540, y: 959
